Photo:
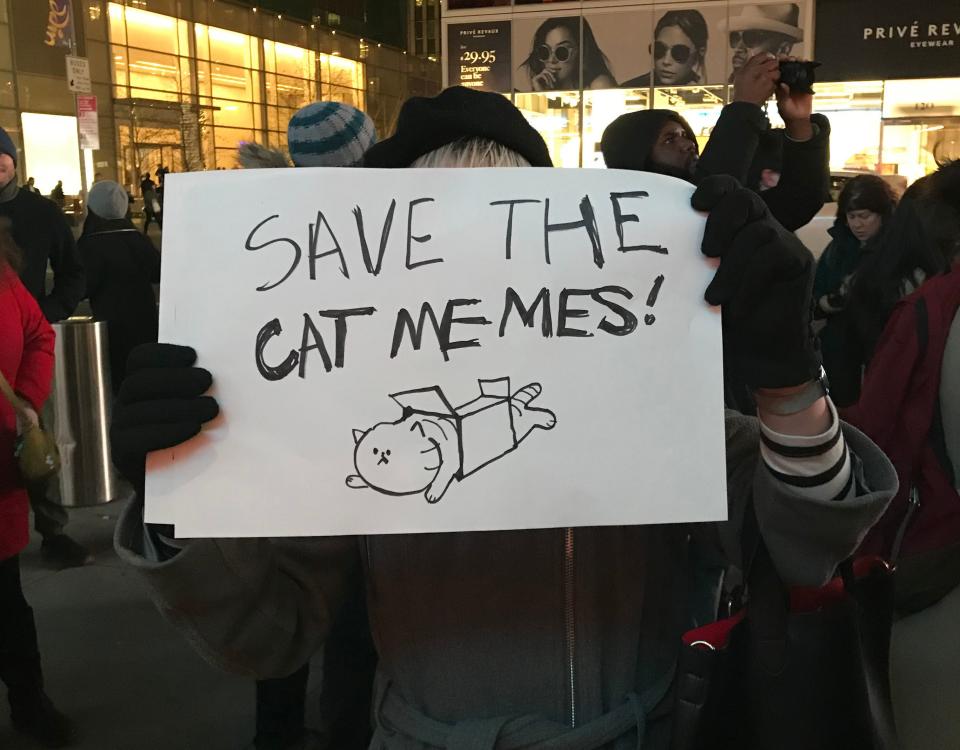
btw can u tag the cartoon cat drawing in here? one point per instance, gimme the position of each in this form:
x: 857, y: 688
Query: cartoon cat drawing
x: 434, y: 443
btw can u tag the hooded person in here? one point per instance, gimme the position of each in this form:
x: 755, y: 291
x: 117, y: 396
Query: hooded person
x: 662, y: 141
x: 122, y: 265
x: 521, y: 650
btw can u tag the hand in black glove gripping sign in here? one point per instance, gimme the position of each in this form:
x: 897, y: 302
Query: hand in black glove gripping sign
x: 161, y: 404
x: 763, y: 285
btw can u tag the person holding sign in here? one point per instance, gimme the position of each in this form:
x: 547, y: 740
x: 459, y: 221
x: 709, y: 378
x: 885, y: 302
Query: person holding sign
x: 545, y: 637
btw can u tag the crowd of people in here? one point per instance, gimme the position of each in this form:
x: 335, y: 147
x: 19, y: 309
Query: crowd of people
x: 842, y: 440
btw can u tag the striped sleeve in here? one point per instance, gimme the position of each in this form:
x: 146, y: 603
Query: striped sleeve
x: 817, y: 467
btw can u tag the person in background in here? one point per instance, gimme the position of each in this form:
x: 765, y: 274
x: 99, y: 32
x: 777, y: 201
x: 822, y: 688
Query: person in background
x: 45, y: 239
x: 771, y: 29
x: 26, y: 362
x: 910, y: 406
x: 473, y: 655
x: 916, y: 245
x: 30, y: 187
x: 554, y: 60
x: 679, y: 51
x: 121, y: 266
x: 322, y: 134
x: 864, y: 208
x: 152, y: 211
x: 57, y: 196
x: 661, y: 141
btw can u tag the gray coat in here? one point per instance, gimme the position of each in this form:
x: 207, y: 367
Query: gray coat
x: 503, y: 639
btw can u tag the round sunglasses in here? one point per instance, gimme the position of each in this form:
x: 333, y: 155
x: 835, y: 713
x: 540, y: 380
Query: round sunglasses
x: 679, y: 52
x: 562, y: 53
x: 750, y: 38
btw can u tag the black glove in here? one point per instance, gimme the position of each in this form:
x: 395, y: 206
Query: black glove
x: 160, y: 405
x: 764, y: 286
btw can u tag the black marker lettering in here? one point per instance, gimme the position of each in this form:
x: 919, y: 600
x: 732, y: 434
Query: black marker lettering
x: 527, y: 314
x: 310, y: 331
x: 384, y: 235
x: 340, y: 316
x: 411, y: 237
x: 630, y: 321
x: 588, y: 222
x: 296, y: 252
x: 281, y: 371
x: 510, y: 218
x: 565, y: 312
x: 336, y: 250
x: 621, y: 218
x: 446, y: 344
x: 405, y: 322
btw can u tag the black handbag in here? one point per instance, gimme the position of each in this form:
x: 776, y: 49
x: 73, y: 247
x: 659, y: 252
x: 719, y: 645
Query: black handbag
x: 799, y: 669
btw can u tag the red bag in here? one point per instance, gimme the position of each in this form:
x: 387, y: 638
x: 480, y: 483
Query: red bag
x: 899, y: 409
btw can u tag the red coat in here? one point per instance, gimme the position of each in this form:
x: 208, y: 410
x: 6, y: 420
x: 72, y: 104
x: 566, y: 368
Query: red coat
x: 896, y: 410
x: 26, y: 360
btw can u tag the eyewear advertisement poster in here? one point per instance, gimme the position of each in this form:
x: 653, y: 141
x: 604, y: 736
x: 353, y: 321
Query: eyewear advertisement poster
x: 439, y: 350
x: 689, y: 47
x: 621, y: 41
x: 478, y: 55
x: 752, y: 28
x: 870, y: 40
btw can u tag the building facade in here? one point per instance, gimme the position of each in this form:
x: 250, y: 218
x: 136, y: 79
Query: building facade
x: 181, y: 83
x: 889, y: 71
x: 423, y: 24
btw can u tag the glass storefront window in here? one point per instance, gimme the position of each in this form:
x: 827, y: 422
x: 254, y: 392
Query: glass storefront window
x: 340, y: 71
x: 145, y: 29
x: 854, y: 113
x: 118, y: 29
x: 226, y: 47
x: 289, y: 60
x: 51, y: 151
x: 600, y: 108
x: 699, y: 105
x: 556, y: 116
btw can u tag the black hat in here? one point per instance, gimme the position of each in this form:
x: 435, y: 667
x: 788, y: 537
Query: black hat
x: 628, y: 141
x: 427, y: 123
x: 7, y: 146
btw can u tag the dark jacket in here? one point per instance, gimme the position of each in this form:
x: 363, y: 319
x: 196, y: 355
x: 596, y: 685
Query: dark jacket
x: 43, y: 236
x: 121, y: 265
x: 554, y: 626
x: 842, y: 358
x: 805, y: 176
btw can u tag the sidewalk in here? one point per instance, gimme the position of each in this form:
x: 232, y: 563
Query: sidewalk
x: 113, y: 664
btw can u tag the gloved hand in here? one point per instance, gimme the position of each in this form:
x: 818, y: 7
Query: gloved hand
x: 160, y: 405
x: 764, y: 286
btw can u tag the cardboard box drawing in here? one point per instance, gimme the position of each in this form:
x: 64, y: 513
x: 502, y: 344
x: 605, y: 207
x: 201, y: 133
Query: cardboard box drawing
x: 434, y: 443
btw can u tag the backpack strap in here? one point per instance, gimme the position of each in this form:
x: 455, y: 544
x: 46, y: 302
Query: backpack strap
x: 937, y: 437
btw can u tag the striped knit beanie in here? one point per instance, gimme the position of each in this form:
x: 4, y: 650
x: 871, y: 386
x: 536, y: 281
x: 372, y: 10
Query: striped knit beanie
x: 329, y: 134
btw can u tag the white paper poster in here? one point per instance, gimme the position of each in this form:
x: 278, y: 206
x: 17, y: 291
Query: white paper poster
x: 441, y: 350
x: 88, y: 122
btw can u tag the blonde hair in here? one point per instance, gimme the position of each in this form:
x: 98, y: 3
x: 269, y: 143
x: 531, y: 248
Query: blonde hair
x: 471, y: 152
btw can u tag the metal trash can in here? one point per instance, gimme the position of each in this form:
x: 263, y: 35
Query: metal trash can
x: 82, y: 396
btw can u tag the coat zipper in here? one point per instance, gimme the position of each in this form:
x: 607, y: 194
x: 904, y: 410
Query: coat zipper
x: 569, y: 622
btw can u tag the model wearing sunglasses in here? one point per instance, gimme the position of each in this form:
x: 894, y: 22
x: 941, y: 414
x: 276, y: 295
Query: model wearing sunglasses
x: 751, y: 42
x: 679, y: 50
x: 557, y: 56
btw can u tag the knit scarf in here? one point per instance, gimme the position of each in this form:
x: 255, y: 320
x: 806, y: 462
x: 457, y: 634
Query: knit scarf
x: 9, y: 191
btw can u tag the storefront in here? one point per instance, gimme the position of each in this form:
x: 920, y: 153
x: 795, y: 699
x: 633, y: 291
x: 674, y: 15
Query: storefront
x: 574, y: 67
x: 179, y: 83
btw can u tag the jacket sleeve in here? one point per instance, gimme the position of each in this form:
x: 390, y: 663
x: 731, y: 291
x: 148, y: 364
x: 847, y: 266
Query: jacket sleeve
x: 806, y: 538
x: 68, y: 280
x: 255, y: 607
x: 821, y: 281
x: 149, y: 258
x: 36, y: 364
x: 804, y: 180
x: 92, y: 270
x: 733, y: 142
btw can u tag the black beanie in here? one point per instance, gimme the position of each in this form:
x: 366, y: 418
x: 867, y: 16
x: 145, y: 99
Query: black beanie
x: 427, y: 123
x: 7, y: 146
x: 628, y: 141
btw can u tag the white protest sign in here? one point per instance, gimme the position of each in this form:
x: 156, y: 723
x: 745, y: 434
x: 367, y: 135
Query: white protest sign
x: 441, y: 350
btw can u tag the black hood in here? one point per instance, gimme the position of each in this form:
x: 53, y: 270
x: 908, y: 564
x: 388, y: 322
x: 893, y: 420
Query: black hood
x: 628, y: 141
